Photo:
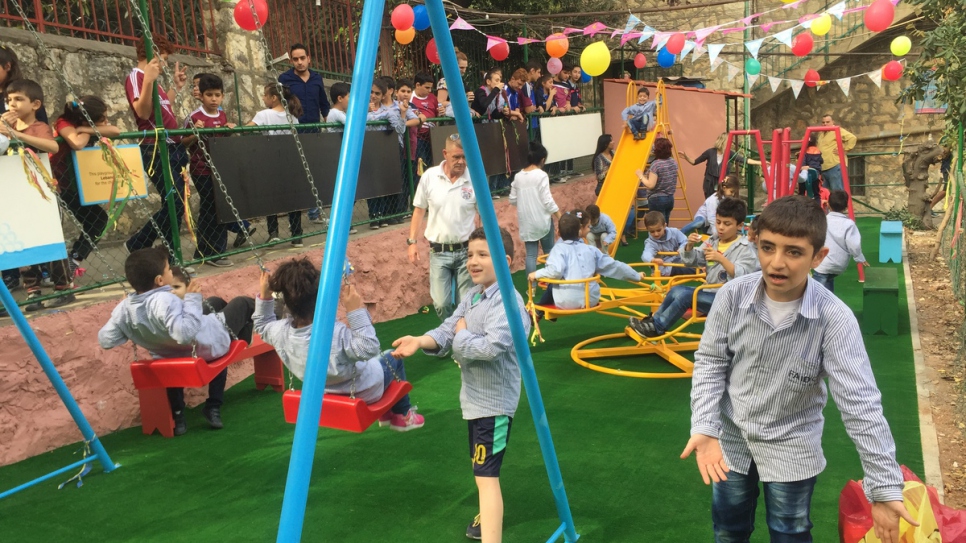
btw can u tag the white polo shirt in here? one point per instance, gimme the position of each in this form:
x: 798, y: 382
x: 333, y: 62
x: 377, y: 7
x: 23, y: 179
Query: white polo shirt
x: 450, y: 206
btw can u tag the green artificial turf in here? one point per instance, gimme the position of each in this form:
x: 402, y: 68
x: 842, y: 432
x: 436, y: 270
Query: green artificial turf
x: 617, y: 440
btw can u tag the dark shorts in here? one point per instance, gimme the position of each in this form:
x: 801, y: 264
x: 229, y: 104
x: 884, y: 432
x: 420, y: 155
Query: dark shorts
x: 488, y: 439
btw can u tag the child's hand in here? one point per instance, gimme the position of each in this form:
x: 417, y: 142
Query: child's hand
x: 460, y: 325
x: 180, y: 76
x: 694, y: 238
x: 193, y: 287
x: 199, y: 124
x: 885, y: 520
x: 441, y: 110
x: 658, y: 261
x: 712, y: 255
x: 403, y: 106
x: 643, y: 277
x: 265, y: 291
x: 470, y: 96
x: 422, y: 118
x: 352, y: 299
x: 372, y: 107
x: 866, y: 264
x: 532, y: 277
x: 153, y: 69
x: 405, y: 346
x: 553, y: 91
x: 711, y: 462
x: 231, y: 125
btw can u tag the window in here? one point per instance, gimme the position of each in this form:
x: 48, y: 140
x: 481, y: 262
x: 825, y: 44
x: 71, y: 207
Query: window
x: 857, y: 175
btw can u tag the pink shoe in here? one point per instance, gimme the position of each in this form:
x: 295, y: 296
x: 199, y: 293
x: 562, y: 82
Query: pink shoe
x: 407, y: 422
x: 386, y: 419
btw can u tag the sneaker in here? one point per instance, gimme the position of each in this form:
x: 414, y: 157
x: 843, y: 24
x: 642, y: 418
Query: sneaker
x: 75, y: 269
x: 213, y: 416
x: 320, y: 220
x: 274, y: 239
x: 180, y: 426
x: 374, y: 226
x: 496, y: 196
x: 353, y: 230
x: 35, y: 306
x: 220, y: 262
x: 12, y: 283
x: 46, y: 282
x: 242, y: 237
x: 407, y: 422
x: 297, y: 243
x: 61, y: 301
x: 384, y: 224
x: 385, y: 419
x: 189, y: 270
x: 645, y: 327
x: 473, y: 531
x: 396, y: 220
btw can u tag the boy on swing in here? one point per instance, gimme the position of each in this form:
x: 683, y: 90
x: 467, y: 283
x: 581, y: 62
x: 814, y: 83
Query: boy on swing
x: 155, y: 318
x: 478, y: 336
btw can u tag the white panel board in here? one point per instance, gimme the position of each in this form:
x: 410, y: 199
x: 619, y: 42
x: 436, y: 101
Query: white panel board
x: 30, y: 230
x: 570, y: 136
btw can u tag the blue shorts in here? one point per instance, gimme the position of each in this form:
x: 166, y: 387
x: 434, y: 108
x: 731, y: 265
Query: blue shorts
x: 488, y: 439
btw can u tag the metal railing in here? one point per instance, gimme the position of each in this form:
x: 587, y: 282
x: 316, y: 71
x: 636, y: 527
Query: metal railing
x: 326, y: 27
x: 189, y: 24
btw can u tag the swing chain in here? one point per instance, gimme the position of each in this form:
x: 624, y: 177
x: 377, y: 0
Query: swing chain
x: 89, y: 240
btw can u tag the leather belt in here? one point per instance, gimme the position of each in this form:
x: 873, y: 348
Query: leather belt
x: 448, y: 247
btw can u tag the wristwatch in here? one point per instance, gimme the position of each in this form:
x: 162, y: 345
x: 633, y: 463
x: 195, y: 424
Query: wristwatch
x: 410, y: 241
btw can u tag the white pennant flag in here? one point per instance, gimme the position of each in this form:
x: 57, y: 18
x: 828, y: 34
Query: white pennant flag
x: 713, y: 50
x: 717, y: 62
x: 754, y: 46
x: 732, y: 71
x: 632, y: 22
x: 785, y: 36
x: 698, y: 51
x: 775, y: 82
x: 838, y: 10
x: 797, y: 85
x: 660, y: 40
x: 645, y: 35
x: 876, y: 77
x: 844, y: 84
x: 752, y: 79
x: 688, y: 46
x: 806, y: 24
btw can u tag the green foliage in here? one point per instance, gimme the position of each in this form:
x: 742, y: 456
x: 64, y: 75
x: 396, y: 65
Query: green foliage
x: 909, y: 220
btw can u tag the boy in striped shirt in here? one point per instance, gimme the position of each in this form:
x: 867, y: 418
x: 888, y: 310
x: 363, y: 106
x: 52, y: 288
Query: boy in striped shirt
x: 478, y: 336
x: 758, y: 389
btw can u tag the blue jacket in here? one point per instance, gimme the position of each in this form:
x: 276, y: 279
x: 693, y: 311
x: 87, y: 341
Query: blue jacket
x: 672, y: 240
x: 311, y: 93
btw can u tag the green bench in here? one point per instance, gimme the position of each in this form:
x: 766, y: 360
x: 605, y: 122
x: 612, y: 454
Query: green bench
x: 880, y: 301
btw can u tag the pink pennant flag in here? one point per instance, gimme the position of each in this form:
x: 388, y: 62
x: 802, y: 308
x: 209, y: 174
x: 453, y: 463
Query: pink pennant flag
x: 702, y: 33
x: 806, y: 18
x: 460, y: 24
x: 630, y: 36
x: 727, y: 31
x: 594, y: 28
x: 567, y: 31
x: 691, y: 35
x: 853, y: 10
x: 747, y: 20
x: 493, y: 41
x: 524, y: 41
x: 659, y: 39
x: 615, y: 33
x: 766, y: 26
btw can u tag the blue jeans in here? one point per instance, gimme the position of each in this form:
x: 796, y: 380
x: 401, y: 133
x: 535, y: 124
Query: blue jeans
x: 533, y: 250
x: 676, y: 304
x: 391, y: 364
x: 787, y: 507
x: 448, y: 281
x: 833, y: 177
x: 662, y: 203
x: 314, y: 213
x: 827, y: 280
x: 697, y: 223
x: 637, y: 125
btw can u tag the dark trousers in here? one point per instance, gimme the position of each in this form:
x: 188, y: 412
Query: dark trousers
x: 33, y: 275
x: 294, y: 224
x: 212, y: 236
x: 151, y: 157
x: 93, y: 218
x: 238, y: 317
x: 787, y: 507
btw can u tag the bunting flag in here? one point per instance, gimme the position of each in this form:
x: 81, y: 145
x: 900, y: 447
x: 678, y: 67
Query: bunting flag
x: 732, y: 71
x: 747, y: 20
x: 838, y: 10
x: 630, y: 36
x: 732, y: 30
x: 524, y: 41
x: 688, y: 46
x: 568, y: 31
x: 797, y: 85
x: 753, y: 47
x: 876, y: 77
x: 714, y: 50
x: 785, y: 37
x: 715, y: 63
x: 793, y: 5
x: 775, y: 82
x: 646, y: 34
x: 493, y: 41
x: 594, y: 28
x: 844, y: 84
x: 806, y: 22
x: 702, y: 33
x: 698, y: 51
x: 752, y: 79
x: 660, y: 40
x: 632, y: 22
x: 460, y: 24
x: 616, y: 32
x: 765, y: 27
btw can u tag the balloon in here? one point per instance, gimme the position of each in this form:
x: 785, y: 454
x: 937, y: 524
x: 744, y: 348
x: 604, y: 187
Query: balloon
x: 595, y: 58
x: 802, y: 44
x: 585, y: 77
x: 812, y: 78
x: 640, y: 61
x: 4, y: 144
x: 675, y: 44
x: 892, y: 71
x: 554, y: 66
x: 500, y: 51
x: 879, y: 15
x: 402, y: 17
x: 557, y: 45
x: 900, y: 46
x: 822, y: 24
x: 752, y: 67
x: 243, y: 14
x: 664, y: 58
x: 405, y: 37
x: 420, y: 18
x: 431, y: 52
x: 788, y: 1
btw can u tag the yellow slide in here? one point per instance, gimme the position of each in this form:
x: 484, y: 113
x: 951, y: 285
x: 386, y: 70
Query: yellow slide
x: 619, y: 191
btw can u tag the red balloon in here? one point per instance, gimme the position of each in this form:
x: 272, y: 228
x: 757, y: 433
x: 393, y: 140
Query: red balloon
x: 802, y: 44
x: 243, y: 14
x: 640, y: 61
x: 812, y: 78
x: 431, y: 53
x: 675, y: 44
x: 892, y: 71
x: 402, y: 17
x: 879, y: 15
x: 500, y: 51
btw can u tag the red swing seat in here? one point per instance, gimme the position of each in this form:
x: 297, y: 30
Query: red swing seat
x: 344, y: 413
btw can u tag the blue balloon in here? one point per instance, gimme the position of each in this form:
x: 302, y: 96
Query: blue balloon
x: 421, y: 19
x: 584, y: 77
x: 664, y: 58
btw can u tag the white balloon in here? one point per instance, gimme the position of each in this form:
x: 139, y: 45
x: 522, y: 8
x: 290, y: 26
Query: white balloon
x: 4, y: 144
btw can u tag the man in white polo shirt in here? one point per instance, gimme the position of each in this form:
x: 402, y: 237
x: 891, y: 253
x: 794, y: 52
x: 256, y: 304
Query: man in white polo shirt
x: 445, y: 198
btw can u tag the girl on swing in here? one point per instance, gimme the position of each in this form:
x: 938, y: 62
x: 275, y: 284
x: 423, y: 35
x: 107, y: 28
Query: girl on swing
x: 355, y: 365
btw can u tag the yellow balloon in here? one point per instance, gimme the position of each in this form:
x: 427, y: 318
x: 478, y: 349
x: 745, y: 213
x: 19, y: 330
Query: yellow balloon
x: 788, y: 1
x: 595, y: 59
x: 822, y: 24
x: 900, y: 46
x: 405, y: 37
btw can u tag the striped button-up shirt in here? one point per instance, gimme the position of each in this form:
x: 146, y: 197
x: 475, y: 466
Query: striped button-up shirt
x: 484, y: 350
x: 760, y: 389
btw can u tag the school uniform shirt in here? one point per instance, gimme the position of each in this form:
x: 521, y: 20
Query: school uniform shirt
x: 529, y: 98
x: 671, y: 241
x: 429, y: 107
x: 410, y: 115
x: 484, y: 349
x: 336, y: 116
x: 739, y: 252
x: 271, y: 117
x: 641, y: 111
x: 200, y: 166
x: 574, y: 259
x: 167, y: 326
x: 530, y: 193
x: 311, y: 93
x: 61, y: 165
x: 450, y: 206
x: 383, y: 113
x: 353, y: 358
x: 760, y: 388
x: 843, y: 241
x: 37, y: 129
x: 574, y: 94
x: 604, y: 229
x: 132, y: 87
x: 489, y: 103
x: 541, y: 98
x: 709, y: 210
x: 562, y: 98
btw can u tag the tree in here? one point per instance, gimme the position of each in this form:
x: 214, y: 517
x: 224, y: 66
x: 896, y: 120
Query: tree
x: 915, y: 170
